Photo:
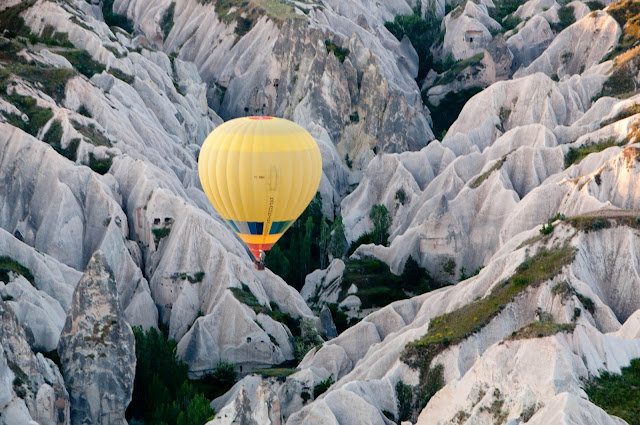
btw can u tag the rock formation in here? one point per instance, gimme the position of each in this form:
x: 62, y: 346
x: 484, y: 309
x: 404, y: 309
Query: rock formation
x: 97, y: 349
x: 32, y: 389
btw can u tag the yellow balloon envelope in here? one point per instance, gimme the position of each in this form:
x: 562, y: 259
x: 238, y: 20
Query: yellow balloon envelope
x: 260, y: 173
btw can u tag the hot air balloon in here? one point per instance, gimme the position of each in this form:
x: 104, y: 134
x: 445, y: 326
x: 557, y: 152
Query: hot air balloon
x: 260, y: 173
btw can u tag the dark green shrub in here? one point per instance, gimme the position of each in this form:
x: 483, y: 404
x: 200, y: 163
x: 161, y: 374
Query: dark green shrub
x: 587, y: 303
x: 347, y: 161
x: 115, y: 20
x: 8, y: 264
x: 595, y: 5
x: 547, y: 229
x: 401, y: 195
x: 566, y: 16
x: 340, y: 52
x: 322, y: 387
x: 160, y: 233
x: 167, y: 20
x: 83, y: 110
x: 54, y: 138
x: 100, y: 166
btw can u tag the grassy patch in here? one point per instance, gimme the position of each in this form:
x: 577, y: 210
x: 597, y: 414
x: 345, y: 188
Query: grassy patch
x: 51, y: 81
x: 275, y: 372
x: 625, y: 113
x: 618, y: 395
x: 51, y: 37
x: 586, y: 223
x: 12, y: 22
x: 454, y: 327
x: 38, y: 116
x: 167, y: 20
x: 8, y: 264
x: 498, y: 165
x: 595, y: 5
x: 129, y: 79
x: 575, y: 155
x: 246, y: 297
x: 542, y: 328
x: 91, y: 133
x: 82, y: 61
x: 412, y: 399
x: 248, y: 12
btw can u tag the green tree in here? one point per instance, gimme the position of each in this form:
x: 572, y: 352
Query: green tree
x: 198, y: 412
x: 162, y: 392
x: 309, y: 338
x: 277, y: 262
x: 305, y: 249
x: 338, y: 243
x: 323, y: 242
x: 415, y: 279
x: 381, y: 223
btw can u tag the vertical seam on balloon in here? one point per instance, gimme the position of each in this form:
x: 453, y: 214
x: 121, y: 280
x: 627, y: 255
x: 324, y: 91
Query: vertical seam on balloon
x: 264, y: 153
x: 240, y: 178
x: 223, y: 188
x: 291, y: 156
x: 238, y: 211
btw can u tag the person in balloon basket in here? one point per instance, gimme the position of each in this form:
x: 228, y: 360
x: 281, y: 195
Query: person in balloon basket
x: 259, y: 263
